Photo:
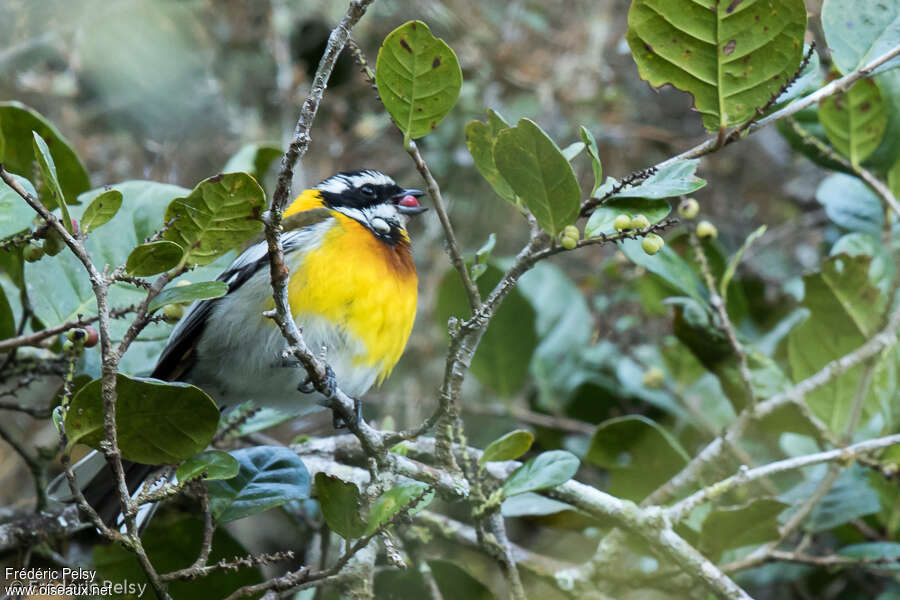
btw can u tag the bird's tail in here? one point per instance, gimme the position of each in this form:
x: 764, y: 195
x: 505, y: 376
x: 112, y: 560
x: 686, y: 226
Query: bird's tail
x: 96, y: 480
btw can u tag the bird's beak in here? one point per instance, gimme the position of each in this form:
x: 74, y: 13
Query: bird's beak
x: 407, y: 202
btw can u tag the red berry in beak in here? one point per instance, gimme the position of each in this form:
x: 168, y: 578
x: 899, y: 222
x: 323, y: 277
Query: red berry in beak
x: 408, y: 201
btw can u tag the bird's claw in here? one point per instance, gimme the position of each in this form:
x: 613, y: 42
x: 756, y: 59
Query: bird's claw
x: 338, y: 421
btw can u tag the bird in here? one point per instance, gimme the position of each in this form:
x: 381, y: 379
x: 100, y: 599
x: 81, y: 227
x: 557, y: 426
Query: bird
x: 352, y: 291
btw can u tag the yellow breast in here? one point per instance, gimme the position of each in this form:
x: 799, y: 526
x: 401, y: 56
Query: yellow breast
x: 359, y: 283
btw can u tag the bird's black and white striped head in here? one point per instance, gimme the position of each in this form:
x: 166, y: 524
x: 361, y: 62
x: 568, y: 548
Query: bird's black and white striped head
x: 374, y: 200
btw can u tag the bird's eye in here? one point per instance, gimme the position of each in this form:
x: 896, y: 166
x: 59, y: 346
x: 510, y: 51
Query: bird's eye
x: 368, y: 190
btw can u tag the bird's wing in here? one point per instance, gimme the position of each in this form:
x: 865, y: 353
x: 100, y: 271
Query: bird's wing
x: 179, y: 354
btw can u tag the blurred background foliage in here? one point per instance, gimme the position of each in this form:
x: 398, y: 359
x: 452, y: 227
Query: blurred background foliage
x: 170, y: 90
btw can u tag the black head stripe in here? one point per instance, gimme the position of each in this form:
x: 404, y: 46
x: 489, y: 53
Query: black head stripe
x: 358, y: 189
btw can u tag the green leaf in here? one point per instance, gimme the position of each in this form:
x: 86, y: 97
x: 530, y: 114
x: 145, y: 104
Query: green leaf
x: 15, y: 214
x: 882, y: 268
x: 51, y: 180
x: 855, y: 120
x: 101, y: 209
x: 480, y: 138
x: 737, y: 526
x: 596, y: 166
x: 340, y: 506
x: 269, y: 476
x: 675, y: 179
x: 801, y: 130
x: 221, y: 213
x: 735, y: 260
x: 508, y: 447
x: 204, y: 290
x: 172, y: 541
x: 215, y: 463
x: 573, y: 150
x: 845, y: 309
x: 157, y: 422
x: 480, y: 266
x: 546, y: 470
x: 254, y: 159
x: 639, y: 454
x: 858, y: 31
x: 889, y: 552
x: 530, y: 504
x: 849, y: 498
x: 731, y: 56
x: 17, y: 125
x: 539, y: 174
x: 604, y: 216
x: 395, y: 500
x: 418, y: 78
x: 153, y: 257
x: 502, y: 358
x: 850, y: 204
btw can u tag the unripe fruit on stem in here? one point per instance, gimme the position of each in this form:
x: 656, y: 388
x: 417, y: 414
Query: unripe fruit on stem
x: 652, y: 243
x: 173, y: 312
x: 705, y: 229
x: 572, y: 232
x: 653, y: 378
x: 688, y: 208
x: 68, y: 346
x: 32, y: 252
x: 73, y: 335
x: 53, y: 243
x: 639, y: 222
x: 569, y: 243
x: 622, y: 222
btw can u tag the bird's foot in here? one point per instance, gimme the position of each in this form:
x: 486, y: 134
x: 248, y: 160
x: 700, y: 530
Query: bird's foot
x: 328, y: 388
x: 338, y: 421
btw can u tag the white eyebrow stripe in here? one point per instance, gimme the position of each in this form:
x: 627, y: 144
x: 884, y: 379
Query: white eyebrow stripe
x: 341, y: 182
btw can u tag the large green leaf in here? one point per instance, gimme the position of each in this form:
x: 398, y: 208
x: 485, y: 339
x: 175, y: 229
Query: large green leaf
x: 269, y: 476
x: 172, y: 541
x: 153, y: 257
x: 185, y: 294
x: 639, y: 455
x: 850, y: 204
x: 546, y: 470
x: 537, y: 171
x: 667, y: 264
x: 508, y: 447
x: 849, y: 498
x: 17, y: 122
x: 737, y: 526
x: 855, y: 120
x: 340, y: 506
x: 480, y: 138
x: 157, y: 422
x: 418, y: 78
x: 858, y: 31
x: 731, y: 56
x: 101, y: 209
x: 51, y: 180
x: 15, y: 214
x: 221, y: 213
x: 7, y: 318
x: 213, y: 464
x: 845, y: 309
x: 502, y: 358
x: 676, y: 179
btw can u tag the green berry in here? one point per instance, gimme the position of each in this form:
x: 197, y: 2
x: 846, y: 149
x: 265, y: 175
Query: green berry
x: 53, y: 243
x: 705, y: 229
x: 622, y: 222
x: 569, y: 243
x: 689, y: 208
x: 652, y: 245
x: 32, y: 253
x: 572, y: 232
x: 173, y: 312
x: 639, y: 222
x: 74, y: 335
x: 68, y: 346
x: 653, y: 378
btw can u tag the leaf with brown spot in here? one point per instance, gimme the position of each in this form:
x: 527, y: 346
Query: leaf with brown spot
x: 855, y: 120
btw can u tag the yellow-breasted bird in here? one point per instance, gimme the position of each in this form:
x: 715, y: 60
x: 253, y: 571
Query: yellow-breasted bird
x: 352, y: 291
